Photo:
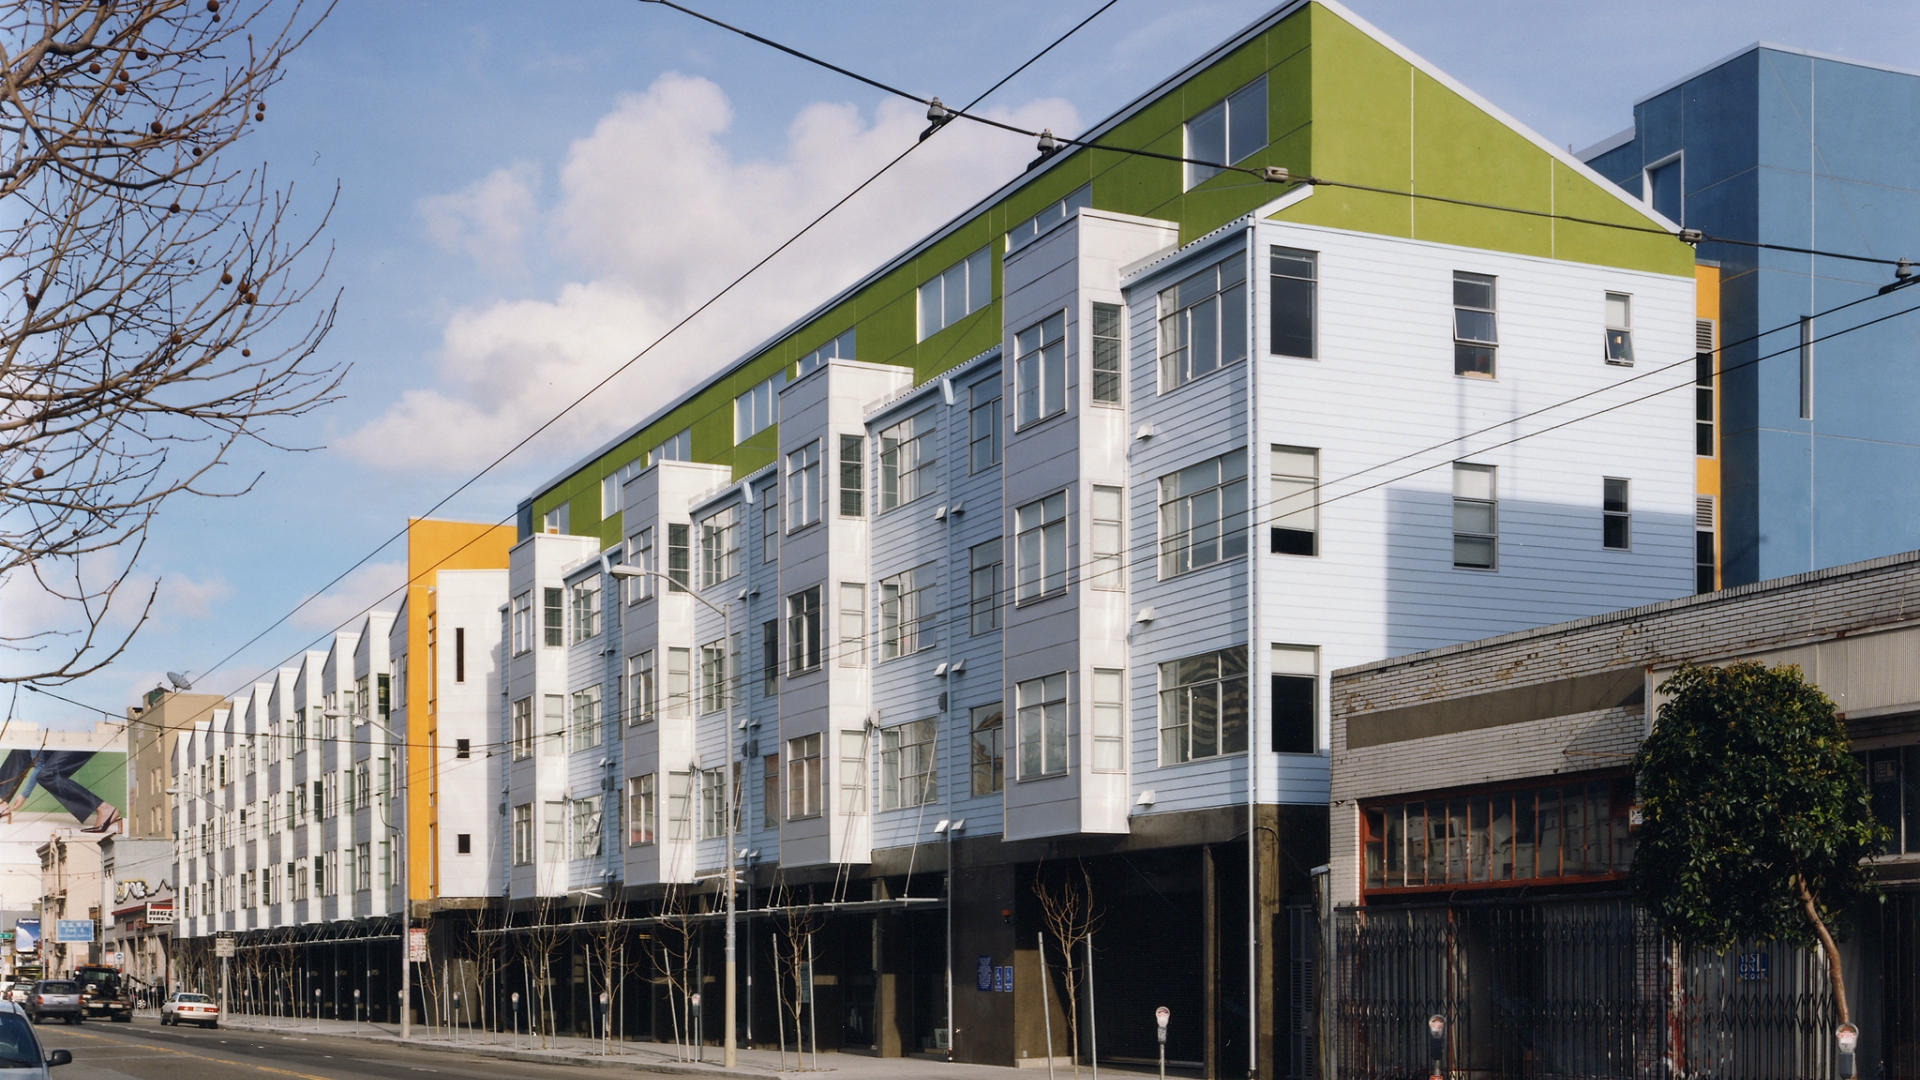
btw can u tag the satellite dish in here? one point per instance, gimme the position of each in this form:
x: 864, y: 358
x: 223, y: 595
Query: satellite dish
x: 179, y: 680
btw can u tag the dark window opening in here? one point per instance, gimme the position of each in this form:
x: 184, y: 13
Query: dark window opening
x: 462, y: 748
x: 464, y: 842
x: 459, y: 654
x: 1703, y: 561
x: 1292, y: 542
x: 1294, y: 723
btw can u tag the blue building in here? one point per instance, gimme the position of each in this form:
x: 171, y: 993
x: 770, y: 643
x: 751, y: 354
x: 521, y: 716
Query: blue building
x: 1819, y: 446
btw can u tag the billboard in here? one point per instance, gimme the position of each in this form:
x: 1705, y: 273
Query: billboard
x: 73, y: 931
x: 68, y: 782
x: 26, y: 935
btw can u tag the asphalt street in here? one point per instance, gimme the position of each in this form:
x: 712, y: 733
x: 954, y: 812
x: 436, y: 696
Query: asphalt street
x: 146, y: 1051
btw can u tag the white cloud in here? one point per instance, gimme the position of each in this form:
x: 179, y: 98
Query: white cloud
x: 489, y: 219
x: 371, y: 587
x: 181, y: 595
x: 659, y: 215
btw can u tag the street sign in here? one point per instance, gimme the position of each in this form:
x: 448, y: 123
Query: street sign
x: 1751, y: 967
x: 73, y: 931
x: 158, y: 915
x: 223, y: 946
x: 417, y: 944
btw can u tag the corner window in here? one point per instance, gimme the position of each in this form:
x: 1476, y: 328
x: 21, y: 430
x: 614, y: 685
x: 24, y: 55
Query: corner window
x: 1476, y: 333
x: 522, y: 836
x: 1109, y: 354
x: 983, y: 586
x: 640, y: 555
x: 1046, y: 219
x: 1295, y: 282
x: 840, y: 348
x: 1203, y: 514
x: 680, y: 805
x: 1296, y: 500
x: 679, y: 683
x: 586, y: 609
x: 1040, y: 547
x: 713, y: 676
x: 1108, y: 537
x: 1040, y: 370
x: 1203, y: 323
x: 1203, y: 706
x: 907, y: 776
x: 853, y: 624
x: 803, y: 486
x: 1109, y: 720
x: 1042, y: 720
x: 803, y: 776
x: 586, y: 718
x: 1619, y: 338
x: 803, y: 631
x: 522, y: 623
x: 520, y: 729
x: 640, y: 703
x: 555, y: 520
x: 959, y: 291
x: 554, y: 832
x: 853, y: 772
x: 988, y: 755
x: 677, y: 447
x: 719, y: 546
x: 1227, y: 133
x: 679, y: 557
x: 640, y: 810
x: 1296, y: 697
x: 1476, y: 517
x: 907, y: 455
x: 853, y: 471
x: 983, y: 425
x: 753, y: 411
x: 1616, y: 516
x: 906, y: 612
x: 554, y: 616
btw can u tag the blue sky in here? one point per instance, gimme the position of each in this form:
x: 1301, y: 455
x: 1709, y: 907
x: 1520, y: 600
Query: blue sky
x: 528, y: 193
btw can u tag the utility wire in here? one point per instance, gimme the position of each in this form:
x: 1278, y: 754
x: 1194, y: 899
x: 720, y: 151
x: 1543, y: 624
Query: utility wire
x: 940, y: 115
x: 690, y: 316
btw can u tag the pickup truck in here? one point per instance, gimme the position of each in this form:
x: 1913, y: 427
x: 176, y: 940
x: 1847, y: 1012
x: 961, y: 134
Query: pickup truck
x: 104, y: 994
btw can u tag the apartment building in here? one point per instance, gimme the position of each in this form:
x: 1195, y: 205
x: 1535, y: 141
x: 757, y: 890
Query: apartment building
x: 1024, y: 560
x: 290, y: 800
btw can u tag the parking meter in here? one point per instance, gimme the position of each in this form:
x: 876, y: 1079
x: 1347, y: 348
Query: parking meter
x: 1437, y: 1043
x: 1849, y: 1039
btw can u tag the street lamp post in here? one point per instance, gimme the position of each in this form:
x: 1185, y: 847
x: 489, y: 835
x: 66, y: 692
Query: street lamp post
x: 729, y: 1049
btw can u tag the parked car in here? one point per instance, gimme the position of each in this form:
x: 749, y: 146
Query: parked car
x: 19, y: 991
x: 57, y: 998
x: 20, y: 1052
x: 184, y: 1008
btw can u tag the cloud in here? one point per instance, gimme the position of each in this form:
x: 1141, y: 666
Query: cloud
x: 489, y: 219
x: 181, y: 595
x: 657, y: 214
x: 366, y: 588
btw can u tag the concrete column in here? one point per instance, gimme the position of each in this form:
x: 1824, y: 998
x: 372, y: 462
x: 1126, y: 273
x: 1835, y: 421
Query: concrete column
x: 1210, y: 957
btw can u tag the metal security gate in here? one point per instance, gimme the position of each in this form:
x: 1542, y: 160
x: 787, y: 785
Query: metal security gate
x: 1569, y: 990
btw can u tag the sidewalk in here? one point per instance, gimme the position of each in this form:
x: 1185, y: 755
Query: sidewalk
x: 663, y: 1058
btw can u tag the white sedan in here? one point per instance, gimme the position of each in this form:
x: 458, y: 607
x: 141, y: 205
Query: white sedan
x: 190, y: 1009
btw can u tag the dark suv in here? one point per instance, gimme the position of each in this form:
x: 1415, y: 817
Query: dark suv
x: 57, y: 998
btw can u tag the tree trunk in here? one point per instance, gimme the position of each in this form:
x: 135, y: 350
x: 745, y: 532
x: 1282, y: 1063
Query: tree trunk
x: 1826, y: 943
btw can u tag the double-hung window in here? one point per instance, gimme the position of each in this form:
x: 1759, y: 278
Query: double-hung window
x: 586, y: 609
x: 554, y: 616
x: 1040, y: 370
x: 754, y: 411
x: 853, y: 624
x: 680, y: 806
x: 586, y: 827
x: 1476, y: 517
x: 1296, y: 500
x: 803, y: 631
x: 1619, y: 342
x: 1109, y: 354
x: 522, y: 728
x: 1108, y: 534
x: 1228, y: 132
x: 769, y: 528
x: 983, y: 425
x: 803, y: 776
x: 713, y: 802
x: 1042, y: 722
x: 522, y: 623
x: 1109, y: 720
x: 1203, y: 323
x: 679, y: 557
x: 803, y: 486
x: 1203, y: 706
x: 907, y: 454
x: 553, y: 718
x: 713, y: 676
x: 1295, y: 279
x: 640, y: 555
x: 907, y: 776
x: 1040, y: 548
x: 586, y: 718
x: 1703, y: 411
x: 1296, y: 699
x: 1476, y: 329
x: 1616, y: 515
x: 719, y: 546
x: 853, y: 476
x: 906, y: 612
x: 988, y: 756
x: 853, y: 773
x: 1203, y: 514
x: 983, y: 586
x: 840, y: 348
x: 679, y: 683
x: 640, y: 810
x: 554, y: 832
x: 769, y: 658
x: 640, y: 703
x: 959, y: 291
x: 522, y: 835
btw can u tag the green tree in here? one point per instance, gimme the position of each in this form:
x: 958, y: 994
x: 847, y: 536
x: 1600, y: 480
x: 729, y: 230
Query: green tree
x: 1756, y: 820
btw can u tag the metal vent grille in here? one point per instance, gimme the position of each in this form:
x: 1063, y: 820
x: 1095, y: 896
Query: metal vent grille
x: 1703, y: 335
x: 1703, y: 512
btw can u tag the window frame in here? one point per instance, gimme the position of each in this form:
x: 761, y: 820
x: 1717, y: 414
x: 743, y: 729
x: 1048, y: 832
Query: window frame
x: 1109, y: 704
x: 1041, y: 541
x: 974, y: 295
x: 583, y: 603
x: 641, y: 689
x: 640, y: 555
x: 1491, y: 536
x: 720, y: 546
x: 679, y: 670
x: 1618, y: 346
x: 853, y: 773
x: 553, y: 621
x: 1040, y: 371
x: 1178, y: 314
x: 1225, y: 532
x: 1107, y: 358
x: 987, y: 751
x: 909, y: 770
x: 1042, y: 726
x: 679, y: 556
x: 521, y: 623
x: 853, y: 476
x: 1195, y: 174
x: 983, y: 411
x: 713, y: 677
x: 804, y: 645
x: 840, y: 347
x: 1185, y: 680
x: 757, y: 408
x: 908, y: 454
x: 520, y: 728
x: 985, y: 600
x: 851, y: 621
x: 1291, y: 669
x: 1466, y: 364
x: 907, y: 617
x: 1616, y: 515
x: 1284, y: 528
x: 584, y: 719
x: 641, y: 808
x: 804, y: 777
x: 803, y: 486
x: 1288, y: 290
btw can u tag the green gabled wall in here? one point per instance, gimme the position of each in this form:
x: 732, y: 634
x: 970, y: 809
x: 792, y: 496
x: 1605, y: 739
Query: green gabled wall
x: 1341, y: 104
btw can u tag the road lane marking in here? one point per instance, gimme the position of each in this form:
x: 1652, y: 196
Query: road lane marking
x: 224, y: 1061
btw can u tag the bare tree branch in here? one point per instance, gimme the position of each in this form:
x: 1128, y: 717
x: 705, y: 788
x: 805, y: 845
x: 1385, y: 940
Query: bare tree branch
x: 142, y: 287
